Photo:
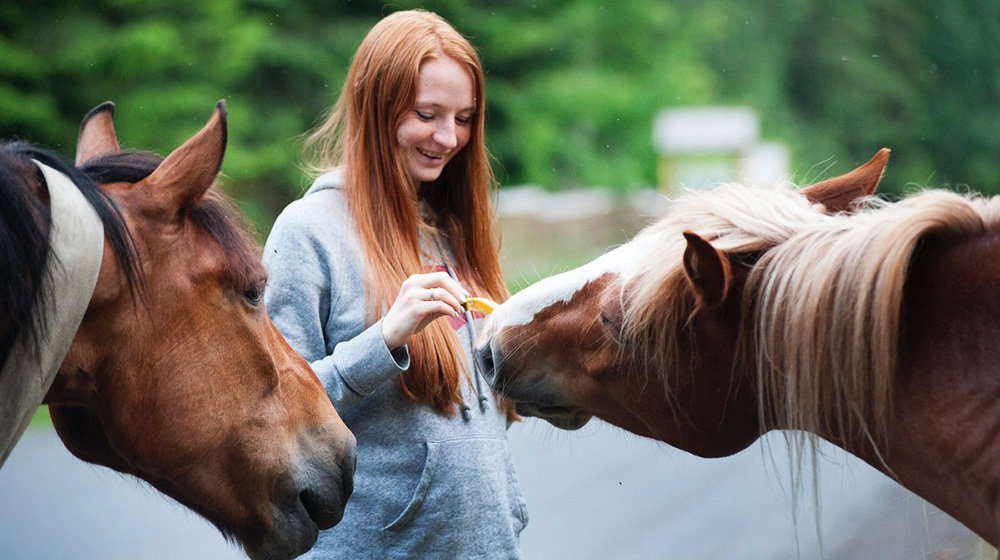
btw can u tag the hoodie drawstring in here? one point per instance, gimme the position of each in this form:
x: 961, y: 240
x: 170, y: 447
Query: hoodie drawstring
x: 480, y: 395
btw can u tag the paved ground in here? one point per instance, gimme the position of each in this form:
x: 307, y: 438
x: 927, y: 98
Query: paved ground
x: 596, y: 494
x: 605, y: 494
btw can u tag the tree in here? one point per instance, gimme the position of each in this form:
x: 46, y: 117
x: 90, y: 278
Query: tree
x: 572, y: 85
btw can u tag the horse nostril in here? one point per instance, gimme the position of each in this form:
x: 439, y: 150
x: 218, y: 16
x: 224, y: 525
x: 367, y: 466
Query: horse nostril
x: 484, y: 357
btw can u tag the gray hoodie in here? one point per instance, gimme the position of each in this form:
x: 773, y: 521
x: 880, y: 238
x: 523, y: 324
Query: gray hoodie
x: 427, y: 485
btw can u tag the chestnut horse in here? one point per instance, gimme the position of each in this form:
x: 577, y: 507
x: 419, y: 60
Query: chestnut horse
x: 749, y: 310
x: 170, y: 369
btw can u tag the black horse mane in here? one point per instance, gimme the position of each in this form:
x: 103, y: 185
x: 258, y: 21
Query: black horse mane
x: 24, y: 244
x: 24, y: 241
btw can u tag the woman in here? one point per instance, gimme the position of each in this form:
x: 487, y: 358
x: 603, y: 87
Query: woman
x: 368, y: 273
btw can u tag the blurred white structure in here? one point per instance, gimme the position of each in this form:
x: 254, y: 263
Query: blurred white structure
x: 763, y: 164
x: 703, y: 146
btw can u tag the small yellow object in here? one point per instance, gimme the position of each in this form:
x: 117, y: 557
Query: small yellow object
x: 482, y: 305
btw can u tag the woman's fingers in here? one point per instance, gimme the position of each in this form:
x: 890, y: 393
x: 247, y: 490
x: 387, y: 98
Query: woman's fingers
x: 438, y: 286
x: 442, y: 295
x: 422, y: 298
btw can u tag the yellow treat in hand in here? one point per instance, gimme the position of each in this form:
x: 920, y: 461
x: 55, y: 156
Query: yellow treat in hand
x: 482, y: 305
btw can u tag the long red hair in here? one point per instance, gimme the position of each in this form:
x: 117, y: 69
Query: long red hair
x: 359, y: 135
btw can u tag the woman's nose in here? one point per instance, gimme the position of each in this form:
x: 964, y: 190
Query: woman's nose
x: 445, y: 135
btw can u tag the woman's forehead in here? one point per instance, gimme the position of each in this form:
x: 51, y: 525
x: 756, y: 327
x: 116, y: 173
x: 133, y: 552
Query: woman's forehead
x: 445, y: 83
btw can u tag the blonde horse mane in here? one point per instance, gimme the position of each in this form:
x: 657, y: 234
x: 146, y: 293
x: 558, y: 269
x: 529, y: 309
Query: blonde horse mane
x: 735, y: 219
x: 821, y: 307
x: 822, y: 312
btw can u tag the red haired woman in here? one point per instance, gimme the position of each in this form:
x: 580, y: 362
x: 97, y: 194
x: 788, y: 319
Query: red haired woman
x: 368, y: 272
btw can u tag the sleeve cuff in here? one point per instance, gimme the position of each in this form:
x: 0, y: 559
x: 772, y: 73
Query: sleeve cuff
x: 366, y: 362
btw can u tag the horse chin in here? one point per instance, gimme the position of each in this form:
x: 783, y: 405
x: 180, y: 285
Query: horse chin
x: 572, y: 423
x: 562, y: 417
x: 284, y: 545
x: 297, y: 524
x: 296, y: 532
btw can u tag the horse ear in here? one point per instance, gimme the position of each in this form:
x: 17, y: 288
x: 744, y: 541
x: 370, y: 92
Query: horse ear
x: 838, y: 193
x: 97, y: 134
x: 707, y: 269
x: 186, y: 174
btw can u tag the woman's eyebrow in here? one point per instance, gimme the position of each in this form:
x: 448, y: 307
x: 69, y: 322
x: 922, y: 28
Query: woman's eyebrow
x: 435, y: 105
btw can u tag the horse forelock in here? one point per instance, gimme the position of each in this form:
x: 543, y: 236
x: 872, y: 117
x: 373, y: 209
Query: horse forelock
x: 822, y: 312
x: 218, y: 216
x: 129, y: 166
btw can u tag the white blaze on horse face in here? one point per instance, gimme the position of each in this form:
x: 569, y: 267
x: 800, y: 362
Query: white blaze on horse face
x: 522, y: 307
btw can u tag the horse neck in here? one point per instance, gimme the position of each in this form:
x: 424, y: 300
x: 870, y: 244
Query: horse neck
x: 711, y: 404
x: 942, y: 441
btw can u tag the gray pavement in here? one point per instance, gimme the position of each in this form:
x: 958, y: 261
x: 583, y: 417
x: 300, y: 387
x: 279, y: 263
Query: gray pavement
x: 596, y: 494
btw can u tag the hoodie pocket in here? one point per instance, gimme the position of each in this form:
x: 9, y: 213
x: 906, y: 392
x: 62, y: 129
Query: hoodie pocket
x: 424, y: 484
x: 467, y: 499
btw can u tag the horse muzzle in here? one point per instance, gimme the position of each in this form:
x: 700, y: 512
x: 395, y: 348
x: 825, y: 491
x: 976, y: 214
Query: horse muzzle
x: 314, y: 501
x: 493, y: 367
x: 486, y: 362
x: 538, y: 398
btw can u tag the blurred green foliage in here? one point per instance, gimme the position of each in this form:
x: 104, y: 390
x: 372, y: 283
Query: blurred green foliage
x: 573, y: 85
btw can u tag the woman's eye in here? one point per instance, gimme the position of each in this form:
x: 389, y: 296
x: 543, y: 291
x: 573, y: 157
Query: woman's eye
x: 253, y: 295
x: 463, y: 120
x: 424, y: 116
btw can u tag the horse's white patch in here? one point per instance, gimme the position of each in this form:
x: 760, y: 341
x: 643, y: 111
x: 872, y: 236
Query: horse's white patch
x: 522, y: 307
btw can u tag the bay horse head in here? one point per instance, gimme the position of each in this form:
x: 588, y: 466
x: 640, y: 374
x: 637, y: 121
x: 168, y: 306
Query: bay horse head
x: 176, y: 375
x: 644, y: 337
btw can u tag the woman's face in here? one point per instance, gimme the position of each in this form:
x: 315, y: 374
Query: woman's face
x: 440, y: 122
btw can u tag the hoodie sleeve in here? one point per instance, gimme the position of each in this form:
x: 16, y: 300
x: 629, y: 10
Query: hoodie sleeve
x: 315, y: 297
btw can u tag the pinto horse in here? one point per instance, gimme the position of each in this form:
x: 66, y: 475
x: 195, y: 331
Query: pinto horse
x: 169, y: 369
x: 749, y: 310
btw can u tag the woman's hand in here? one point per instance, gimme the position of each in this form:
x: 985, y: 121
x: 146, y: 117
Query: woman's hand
x: 422, y: 298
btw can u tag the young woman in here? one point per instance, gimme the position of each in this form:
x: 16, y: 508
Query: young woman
x: 368, y: 272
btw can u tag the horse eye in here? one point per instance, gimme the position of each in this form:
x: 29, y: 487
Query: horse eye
x: 608, y: 324
x: 253, y: 295
x: 614, y: 327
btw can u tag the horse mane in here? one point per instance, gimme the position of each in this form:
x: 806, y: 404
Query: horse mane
x: 823, y: 312
x: 24, y: 237
x: 821, y: 308
x: 24, y: 247
x: 739, y: 220
x: 24, y: 243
